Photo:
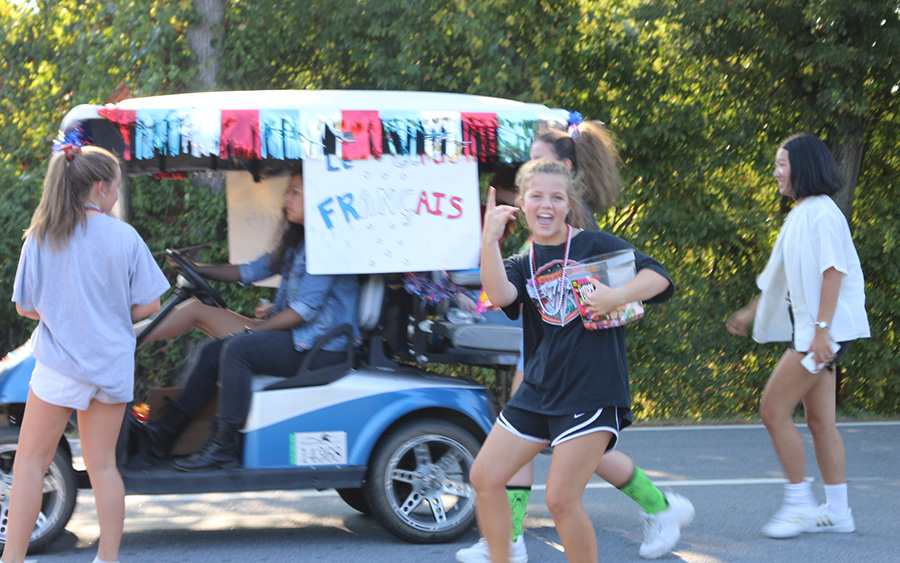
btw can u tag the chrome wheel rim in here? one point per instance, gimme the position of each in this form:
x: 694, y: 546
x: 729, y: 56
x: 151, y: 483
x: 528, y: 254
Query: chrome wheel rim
x: 54, y: 494
x: 427, y: 483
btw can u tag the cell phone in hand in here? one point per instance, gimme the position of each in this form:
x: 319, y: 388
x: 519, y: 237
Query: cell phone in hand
x: 810, y: 363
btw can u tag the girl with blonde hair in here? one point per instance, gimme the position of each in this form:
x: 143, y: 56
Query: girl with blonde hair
x: 85, y: 277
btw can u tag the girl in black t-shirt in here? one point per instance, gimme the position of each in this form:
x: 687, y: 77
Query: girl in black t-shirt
x: 588, y: 150
x: 575, y: 395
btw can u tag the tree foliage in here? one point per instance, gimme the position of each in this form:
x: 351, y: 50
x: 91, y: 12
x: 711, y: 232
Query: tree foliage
x: 698, y: 96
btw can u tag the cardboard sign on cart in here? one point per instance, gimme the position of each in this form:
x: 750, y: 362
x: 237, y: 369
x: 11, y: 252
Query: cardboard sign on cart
x: 365, y: 216
x: 254, y: 217
x: 391, y: 215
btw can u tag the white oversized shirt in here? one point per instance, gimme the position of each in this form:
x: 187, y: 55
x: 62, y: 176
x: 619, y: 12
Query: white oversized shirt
x: 814, y: 238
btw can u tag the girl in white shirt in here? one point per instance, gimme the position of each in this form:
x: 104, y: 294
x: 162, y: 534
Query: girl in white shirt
x: 812, y: 294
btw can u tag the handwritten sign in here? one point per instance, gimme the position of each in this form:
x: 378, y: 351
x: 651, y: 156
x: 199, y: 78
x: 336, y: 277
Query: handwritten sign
x: 396, y: 214
x: 254, y: 217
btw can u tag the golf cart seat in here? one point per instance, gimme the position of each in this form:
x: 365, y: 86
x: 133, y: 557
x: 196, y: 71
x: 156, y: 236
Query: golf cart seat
x: 479, y: 336
x: 481, y: 343
x: 371, y: 296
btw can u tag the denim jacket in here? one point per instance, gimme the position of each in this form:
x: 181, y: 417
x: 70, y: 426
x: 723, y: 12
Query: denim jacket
x: 324, y: 301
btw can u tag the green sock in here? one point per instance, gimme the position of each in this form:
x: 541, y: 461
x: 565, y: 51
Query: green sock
x: 645, y: 493
x: 518, y: 501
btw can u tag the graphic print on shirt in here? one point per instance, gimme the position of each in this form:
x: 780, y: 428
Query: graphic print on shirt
x: 545, y: 294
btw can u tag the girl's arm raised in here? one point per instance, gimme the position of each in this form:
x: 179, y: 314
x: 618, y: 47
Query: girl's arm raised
x: 499, y: 290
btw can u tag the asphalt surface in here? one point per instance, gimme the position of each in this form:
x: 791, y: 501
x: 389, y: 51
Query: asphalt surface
x: 729, y: 472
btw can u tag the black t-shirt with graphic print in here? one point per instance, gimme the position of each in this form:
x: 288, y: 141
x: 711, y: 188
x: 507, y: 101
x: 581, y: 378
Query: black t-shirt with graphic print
x: 569, y: 369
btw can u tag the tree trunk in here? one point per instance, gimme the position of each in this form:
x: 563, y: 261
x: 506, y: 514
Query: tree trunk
x: 200, y: 39
x: 848, y: 154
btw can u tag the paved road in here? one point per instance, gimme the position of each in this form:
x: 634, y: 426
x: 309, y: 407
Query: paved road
x: 729, y: 472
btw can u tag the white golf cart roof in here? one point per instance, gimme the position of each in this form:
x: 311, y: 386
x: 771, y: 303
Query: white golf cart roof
x: 316, y: 99
x: 181, y: 132
x: 389, y: 176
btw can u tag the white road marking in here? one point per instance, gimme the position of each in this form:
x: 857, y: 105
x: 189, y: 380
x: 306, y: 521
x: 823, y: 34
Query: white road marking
x: 709, y: 483
x: 740, y: 426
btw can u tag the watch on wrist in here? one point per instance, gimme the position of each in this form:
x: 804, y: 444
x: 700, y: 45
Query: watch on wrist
x: 822, y: 324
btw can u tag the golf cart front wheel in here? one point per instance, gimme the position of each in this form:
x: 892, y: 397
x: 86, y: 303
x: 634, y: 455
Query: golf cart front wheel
x: 58, y: 496
x: 356, y: 499
x: 418, y: 486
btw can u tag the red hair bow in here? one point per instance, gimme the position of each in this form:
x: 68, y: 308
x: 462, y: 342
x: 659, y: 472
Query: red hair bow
x: 70, y: 150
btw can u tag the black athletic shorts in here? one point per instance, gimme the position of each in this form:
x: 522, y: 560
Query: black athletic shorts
x: 556, y: 429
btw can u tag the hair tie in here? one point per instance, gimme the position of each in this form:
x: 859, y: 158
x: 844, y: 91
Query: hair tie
x: 575, y: 119
x: 70, y: 150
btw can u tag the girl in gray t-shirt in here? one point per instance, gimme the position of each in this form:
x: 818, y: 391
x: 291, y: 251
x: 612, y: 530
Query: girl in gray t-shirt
x: 85, y: 277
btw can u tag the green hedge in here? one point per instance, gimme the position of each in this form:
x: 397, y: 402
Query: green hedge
x: 698, y: 99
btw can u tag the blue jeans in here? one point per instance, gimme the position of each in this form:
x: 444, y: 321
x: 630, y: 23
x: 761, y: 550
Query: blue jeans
x: 233, y: 361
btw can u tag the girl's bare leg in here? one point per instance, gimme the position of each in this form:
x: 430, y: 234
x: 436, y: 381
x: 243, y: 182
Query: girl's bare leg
x: 788, y: 385
x: 524, y: 477
x: 99, y: 427
x: 214, y: 321
x: 819, y: 405
x: 42, y: 426
x: 616, y: 468
x: 501, y: 456
x: 571, y: 468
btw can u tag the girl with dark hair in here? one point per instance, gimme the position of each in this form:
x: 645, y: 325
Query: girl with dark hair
x: 85, y: 277
x: 813, y: 170
x: 815, y: 267
x: 306, y: 307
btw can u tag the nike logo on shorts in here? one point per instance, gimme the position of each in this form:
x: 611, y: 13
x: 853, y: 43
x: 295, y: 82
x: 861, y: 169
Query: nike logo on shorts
x: 579, y: 415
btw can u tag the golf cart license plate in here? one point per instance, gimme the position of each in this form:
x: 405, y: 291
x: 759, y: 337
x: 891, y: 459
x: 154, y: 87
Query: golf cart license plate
x: 318, y: 448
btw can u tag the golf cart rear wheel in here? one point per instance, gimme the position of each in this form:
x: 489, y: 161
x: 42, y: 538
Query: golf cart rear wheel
x: 418, y: 486
x: 58, y: 499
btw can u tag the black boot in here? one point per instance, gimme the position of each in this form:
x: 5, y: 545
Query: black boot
x: 158, y: 438
x: 219, y: 452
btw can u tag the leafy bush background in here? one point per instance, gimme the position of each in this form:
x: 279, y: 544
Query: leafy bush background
x: 697, y: 94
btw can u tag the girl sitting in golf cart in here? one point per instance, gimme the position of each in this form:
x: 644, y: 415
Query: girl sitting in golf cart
x: 306, y: 307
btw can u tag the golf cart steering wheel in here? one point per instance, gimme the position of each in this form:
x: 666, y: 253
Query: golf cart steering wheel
x: 200, y: 285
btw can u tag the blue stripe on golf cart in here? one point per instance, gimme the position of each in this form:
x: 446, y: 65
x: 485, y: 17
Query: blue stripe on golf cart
x: 15, y: 375
x: 364, y: 420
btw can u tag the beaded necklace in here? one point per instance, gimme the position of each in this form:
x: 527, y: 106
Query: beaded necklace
x: 93, y: 208
x: 562, y: 279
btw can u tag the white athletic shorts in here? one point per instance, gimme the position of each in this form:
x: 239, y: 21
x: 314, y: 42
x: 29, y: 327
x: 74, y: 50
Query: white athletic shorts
x: 61, y: 390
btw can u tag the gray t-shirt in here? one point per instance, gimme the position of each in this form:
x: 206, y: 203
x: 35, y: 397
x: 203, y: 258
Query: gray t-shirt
x: 84, y: 293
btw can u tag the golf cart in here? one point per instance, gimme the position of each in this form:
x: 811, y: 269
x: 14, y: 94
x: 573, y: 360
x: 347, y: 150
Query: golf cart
x: 391, y: 182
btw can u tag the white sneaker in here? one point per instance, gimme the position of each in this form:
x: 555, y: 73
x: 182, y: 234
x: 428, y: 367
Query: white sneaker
x: 790, y: 521
x: 828, y: 521
x: 478, y: 552
x: 663, y: 530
